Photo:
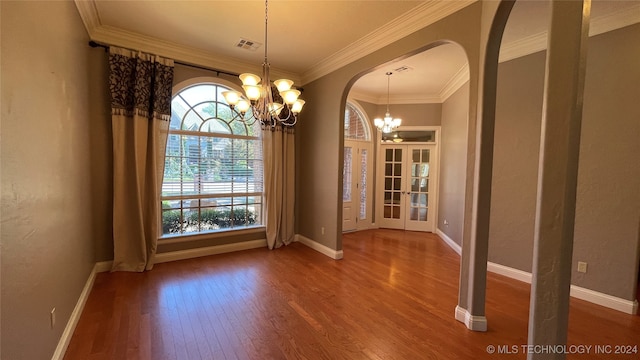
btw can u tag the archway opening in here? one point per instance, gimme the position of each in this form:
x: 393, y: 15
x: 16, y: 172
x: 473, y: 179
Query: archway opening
x: 429, y: 90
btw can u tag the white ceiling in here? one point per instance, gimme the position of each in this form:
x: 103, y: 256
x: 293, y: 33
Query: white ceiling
x: 301, y: 33
x: 310, y: 38
x: 433, y: 75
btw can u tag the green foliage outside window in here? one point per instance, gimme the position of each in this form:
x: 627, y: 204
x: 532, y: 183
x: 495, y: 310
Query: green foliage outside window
x: 209, y: 219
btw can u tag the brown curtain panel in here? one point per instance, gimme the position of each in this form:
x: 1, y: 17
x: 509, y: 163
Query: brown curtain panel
x: 279, y: 184
x: 140, y: 112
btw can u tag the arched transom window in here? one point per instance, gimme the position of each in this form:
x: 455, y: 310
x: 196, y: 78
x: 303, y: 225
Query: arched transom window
x: 354, y: 124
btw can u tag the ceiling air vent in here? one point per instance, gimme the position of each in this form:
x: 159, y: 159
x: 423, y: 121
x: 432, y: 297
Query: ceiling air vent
x: 403, y: 69
x: 248, y: 44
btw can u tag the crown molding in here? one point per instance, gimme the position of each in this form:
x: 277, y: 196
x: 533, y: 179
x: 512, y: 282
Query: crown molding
x: 113, y: 36
x: 408, y: 100
x: 88, y: 14
x: 457, y: 80
x: 404, y: 25
x: 615, y: 20
x: 538, y: 42
x: 357, y: 95
x: 414, y: 20
x: 394, y: 100
x: 109, y: 35
x: 525, y: 46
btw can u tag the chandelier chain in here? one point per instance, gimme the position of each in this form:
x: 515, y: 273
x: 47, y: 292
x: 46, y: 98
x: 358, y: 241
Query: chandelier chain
x: 258, y: 101
x: 266, y: 21
x: 388, y: 87
x: 388, y: 123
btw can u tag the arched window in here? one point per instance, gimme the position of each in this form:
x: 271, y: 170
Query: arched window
x: 354, y: 124
x: 213, y: 165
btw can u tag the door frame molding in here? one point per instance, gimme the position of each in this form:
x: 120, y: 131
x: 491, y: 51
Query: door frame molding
x: 372, y: 133
x: 371, y: 173
x: 378, y: 150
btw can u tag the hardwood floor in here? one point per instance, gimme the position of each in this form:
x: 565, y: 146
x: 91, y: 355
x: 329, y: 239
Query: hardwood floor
x: 392, y: 297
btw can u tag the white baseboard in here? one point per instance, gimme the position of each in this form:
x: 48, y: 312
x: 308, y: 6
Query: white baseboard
x: 612, y: 302
x: 104, y: 266
x: 63, y: 343
x: 449, y: 241
x: 210, y: 250
x: 474, y: 323
x: 509, y: 272
x: 334, y: 254
x: 460, y: 314
x: 602, y: 299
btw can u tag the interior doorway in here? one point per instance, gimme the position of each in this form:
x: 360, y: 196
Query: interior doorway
x: 408, y: 181
x: 357, y: 184
x: 430, y: 89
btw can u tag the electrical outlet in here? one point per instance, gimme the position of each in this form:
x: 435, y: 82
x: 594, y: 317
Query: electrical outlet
x: 322, y: 230
x: 52, y: 317
x: 582, y: 267
x: 446, y: 222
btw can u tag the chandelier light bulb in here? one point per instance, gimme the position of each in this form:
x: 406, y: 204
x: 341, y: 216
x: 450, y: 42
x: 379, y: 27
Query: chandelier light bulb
x: 275, y: 108
x: 388, y: 120
x: 297, y: 106
x: 290, y: 96
x: 249, y: 79
x: 283, y: 84
x: 232, y: 97
x: 253, y: 92
x: 243, y: 106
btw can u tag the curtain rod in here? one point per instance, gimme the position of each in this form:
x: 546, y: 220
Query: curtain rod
x: 94, y: 44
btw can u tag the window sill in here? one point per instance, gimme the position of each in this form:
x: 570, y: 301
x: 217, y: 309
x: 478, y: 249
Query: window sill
x: 214, y: 234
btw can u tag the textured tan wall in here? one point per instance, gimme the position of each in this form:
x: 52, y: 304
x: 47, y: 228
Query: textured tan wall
x: 101, y: 154
x: 46, y: 210
x: 608, y: 194
x: 453, y: 161
x: 515, y: 167
x: 608, y: 198
x: 413, y: 114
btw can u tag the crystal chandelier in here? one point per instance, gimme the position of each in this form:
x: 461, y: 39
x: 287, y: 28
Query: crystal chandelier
x: 387, y: 124
x: 264, y: 107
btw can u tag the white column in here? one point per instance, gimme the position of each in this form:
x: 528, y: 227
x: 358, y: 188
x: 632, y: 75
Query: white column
x: 557, y: 174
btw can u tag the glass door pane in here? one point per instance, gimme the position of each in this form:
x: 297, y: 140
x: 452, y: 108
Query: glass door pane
x: 363, y: 184
x: 346, y: 174
x: 349, y: 194
x: 419, y: 194
x: 392, y: 183
x: 408, y: 184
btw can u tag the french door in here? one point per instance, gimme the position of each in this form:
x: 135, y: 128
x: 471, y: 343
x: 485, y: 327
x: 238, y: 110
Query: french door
x: 356, y: 187
x: 408, y: 187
